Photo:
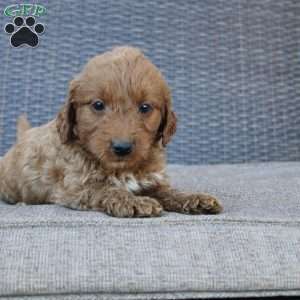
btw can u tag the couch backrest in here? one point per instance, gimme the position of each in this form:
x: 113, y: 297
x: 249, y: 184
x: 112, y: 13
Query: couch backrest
x: 233, y: 67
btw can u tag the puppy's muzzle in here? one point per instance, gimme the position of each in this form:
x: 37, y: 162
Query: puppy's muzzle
x: 121, y: 147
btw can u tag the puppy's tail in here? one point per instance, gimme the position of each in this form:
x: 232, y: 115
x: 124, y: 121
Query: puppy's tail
x: 22, y: 126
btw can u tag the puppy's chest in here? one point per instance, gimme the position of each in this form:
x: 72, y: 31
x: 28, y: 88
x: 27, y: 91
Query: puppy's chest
x: 133, y: 183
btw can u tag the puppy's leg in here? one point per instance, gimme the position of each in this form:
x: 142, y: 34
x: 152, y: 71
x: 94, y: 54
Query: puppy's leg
x: 113, y: 201
x: 173, y: 200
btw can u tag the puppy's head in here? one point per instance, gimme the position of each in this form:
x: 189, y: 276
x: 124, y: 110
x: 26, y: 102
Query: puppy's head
x: 118, y: 109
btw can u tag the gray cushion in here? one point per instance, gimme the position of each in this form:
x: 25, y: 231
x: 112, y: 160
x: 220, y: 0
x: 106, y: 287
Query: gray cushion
x: 252, y: 249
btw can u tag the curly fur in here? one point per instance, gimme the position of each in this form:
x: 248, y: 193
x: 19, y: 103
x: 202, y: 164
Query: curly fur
x: 69, y: 161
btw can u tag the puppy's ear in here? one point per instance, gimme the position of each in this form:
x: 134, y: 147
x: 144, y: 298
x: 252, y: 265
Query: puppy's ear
x: 169, y: 120
x: 66, y: 118
x: 169, y: 127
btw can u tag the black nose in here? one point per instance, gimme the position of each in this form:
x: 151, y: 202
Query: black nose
x: 121, y: 148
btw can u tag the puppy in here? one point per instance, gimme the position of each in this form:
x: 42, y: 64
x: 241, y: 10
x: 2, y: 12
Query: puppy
x: 105, y: 150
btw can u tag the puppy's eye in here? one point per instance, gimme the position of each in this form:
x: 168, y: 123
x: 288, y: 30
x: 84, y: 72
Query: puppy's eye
x: 98, y: 105
x: 144, y: 108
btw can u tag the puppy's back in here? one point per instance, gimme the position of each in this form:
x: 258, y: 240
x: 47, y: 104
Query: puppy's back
x: 19, y: 168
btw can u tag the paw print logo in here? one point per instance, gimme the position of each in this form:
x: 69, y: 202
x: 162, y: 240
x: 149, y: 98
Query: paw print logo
x: 24, y: 31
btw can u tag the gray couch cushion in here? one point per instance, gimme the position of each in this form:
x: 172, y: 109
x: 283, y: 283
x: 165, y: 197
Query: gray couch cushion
x: 250, y: 249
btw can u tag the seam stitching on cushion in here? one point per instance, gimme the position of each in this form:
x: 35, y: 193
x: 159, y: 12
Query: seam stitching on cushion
x: 162, y: 223
x: 229, y: 292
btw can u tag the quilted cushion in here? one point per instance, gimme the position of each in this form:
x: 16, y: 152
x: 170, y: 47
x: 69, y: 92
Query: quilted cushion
x: 252, y: 249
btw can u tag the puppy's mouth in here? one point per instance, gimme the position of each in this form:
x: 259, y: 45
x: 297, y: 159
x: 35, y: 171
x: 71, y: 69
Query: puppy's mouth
x: 117, y: 159
x: 123, y: 156
x: 121, y: 163
x: 129, y: 161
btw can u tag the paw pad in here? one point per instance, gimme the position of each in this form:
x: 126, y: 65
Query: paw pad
x: 24, y: 31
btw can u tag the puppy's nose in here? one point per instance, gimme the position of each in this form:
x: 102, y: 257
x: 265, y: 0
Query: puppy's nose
x: 121, y: 148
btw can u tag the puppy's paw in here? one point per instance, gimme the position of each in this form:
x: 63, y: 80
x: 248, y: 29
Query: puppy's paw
x: 147, y: 207
x: 136, y: 207
x: 201, y: 204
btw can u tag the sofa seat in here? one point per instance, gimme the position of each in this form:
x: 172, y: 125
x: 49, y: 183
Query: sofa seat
x: 251, y: 249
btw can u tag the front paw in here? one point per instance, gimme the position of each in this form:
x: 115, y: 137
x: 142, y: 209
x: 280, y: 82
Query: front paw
x: 136, y: 207
x: 201, y: 204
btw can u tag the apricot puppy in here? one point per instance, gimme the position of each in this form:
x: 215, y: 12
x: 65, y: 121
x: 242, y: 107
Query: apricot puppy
x: 105, y: 149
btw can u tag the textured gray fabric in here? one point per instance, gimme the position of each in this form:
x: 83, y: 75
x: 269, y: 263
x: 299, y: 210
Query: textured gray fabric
x: 252, y: 249
x: 233, y: 67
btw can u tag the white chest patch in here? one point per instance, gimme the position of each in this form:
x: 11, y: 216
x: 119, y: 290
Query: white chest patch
x: 133, y: 184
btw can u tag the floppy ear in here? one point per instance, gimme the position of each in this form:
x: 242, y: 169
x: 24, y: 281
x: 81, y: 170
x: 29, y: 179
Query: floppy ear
x: 66, y: 118
x: 169, y: 126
